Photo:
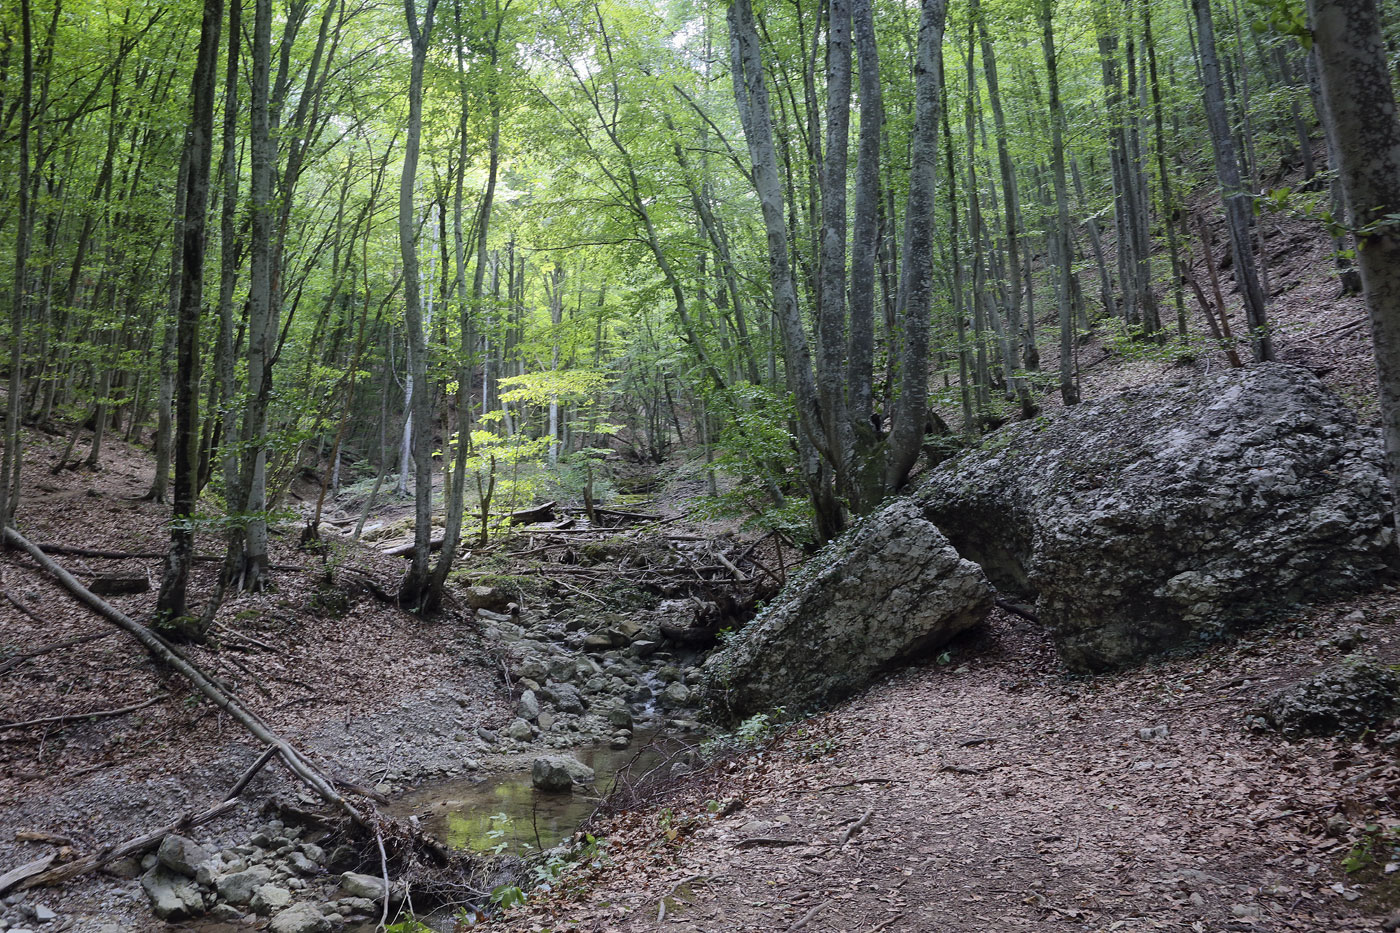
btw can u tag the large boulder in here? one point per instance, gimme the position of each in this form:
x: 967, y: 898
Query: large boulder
x: 889, y: 589
x: 173, y: 896
x: 1349, y: 697
x: 1165, y: 517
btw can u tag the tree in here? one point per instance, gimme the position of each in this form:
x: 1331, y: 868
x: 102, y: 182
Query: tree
x: 416, y: 592
x: 171, y: 604
x: 1359, y: 106
x: 847, y: 462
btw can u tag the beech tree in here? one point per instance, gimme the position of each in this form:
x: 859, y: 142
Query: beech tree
x: 1359, y: 107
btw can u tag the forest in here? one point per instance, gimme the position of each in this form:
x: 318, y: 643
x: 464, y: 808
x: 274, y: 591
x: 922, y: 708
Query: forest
x: 580, y: 407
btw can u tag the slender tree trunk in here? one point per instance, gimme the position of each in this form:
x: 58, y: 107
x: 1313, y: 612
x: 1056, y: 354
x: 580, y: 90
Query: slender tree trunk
x: 171, y: 603
x: 169, y: 345
x: 1232, y: 193
x: 1069, y: 388
x: 416, y: 593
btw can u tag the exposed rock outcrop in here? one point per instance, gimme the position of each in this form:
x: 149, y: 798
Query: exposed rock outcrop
x: 891, y: 587
x: 1164, y: 517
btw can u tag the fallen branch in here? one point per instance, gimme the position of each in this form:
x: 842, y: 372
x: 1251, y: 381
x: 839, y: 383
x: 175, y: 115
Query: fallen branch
x: 808, y: 916
x: 150, y: 840
x: 857, y: 826
x: 767, y: 842
x: 221, y: 698
x: 15, y: 660
x: 15, y: 875
x: 73, y: 717
x: 1014, y: 609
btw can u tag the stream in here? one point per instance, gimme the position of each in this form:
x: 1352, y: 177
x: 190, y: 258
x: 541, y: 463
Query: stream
x: 504, y: 812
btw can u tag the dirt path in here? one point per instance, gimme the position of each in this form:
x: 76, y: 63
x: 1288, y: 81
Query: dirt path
x: 992, y: 794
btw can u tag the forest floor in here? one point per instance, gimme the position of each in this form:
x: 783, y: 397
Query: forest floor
x: 989, y: 792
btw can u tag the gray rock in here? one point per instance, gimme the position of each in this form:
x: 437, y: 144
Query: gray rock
x: 302, y: 865
x: 355, y: 884
x: 269, y: 899
x: 44, y: 914
x: 238, y: 887
x: 300, y: 918
x: 890, y: 588
x: 1168, y: 516
x: 124, y: 868
x: 556, y: 774
x: 597, y: 641
x: 519, y: 730
x: 226, y: 912
x: 1348, y: 697
x: 619, y: 717
x: 488, y: 736
x: 528, y: 706
x: 314, y: 852
x: 676, y: 694
x: 182, y: 856
x: 173, y: 896
x: 489, y: 598
x: 564, y: 697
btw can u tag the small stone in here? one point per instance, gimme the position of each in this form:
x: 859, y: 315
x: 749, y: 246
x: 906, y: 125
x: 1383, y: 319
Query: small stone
x: 1154, y: 732
x: 300, y: 918
x: 43, y: 914
x: 1392, y: 922
x: 226, y: 912
x: 270, y: 898
x: 182, y: 856
x: 238, y: 887
x: 546, y: 720
x: 675, y: 694
x: 520, y: 730
x: 124, y: 868
x: 172, y: 896
x: 355, y: 884
x: 620, y: 741
x: 301, y: 864
x: 528, y: 706
x: 487, y: 735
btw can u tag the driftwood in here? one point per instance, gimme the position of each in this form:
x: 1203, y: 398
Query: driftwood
x: 28, y: 870
x: 534, y: 515
x: 220, y: 697
x: 151, y: 839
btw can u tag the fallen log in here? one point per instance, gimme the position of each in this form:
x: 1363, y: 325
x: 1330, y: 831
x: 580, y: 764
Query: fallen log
x: 75, y: 717
x: 221, y: 698
x: 120, y: 584
x: 534, y: 515
x: 406, y: 548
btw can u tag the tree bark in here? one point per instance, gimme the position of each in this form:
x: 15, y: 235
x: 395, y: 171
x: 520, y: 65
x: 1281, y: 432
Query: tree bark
x: 1359, y: 107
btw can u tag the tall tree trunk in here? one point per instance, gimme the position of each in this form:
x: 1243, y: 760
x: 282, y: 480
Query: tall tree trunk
x: 416, y: 593
x: 1359, y: 106
x: 169, y: 344
x: 171, y: 603
x: 1069, y: 388
x: 12, y: 462
x: 916, y: 280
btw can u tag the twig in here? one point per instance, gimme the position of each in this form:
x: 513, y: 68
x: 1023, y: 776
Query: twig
x: 765, y: 841
x: 808, y: 916
x: 857, y: 826
x: 72, y: 717
x: 383, y: 867
x: 886, y: 924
